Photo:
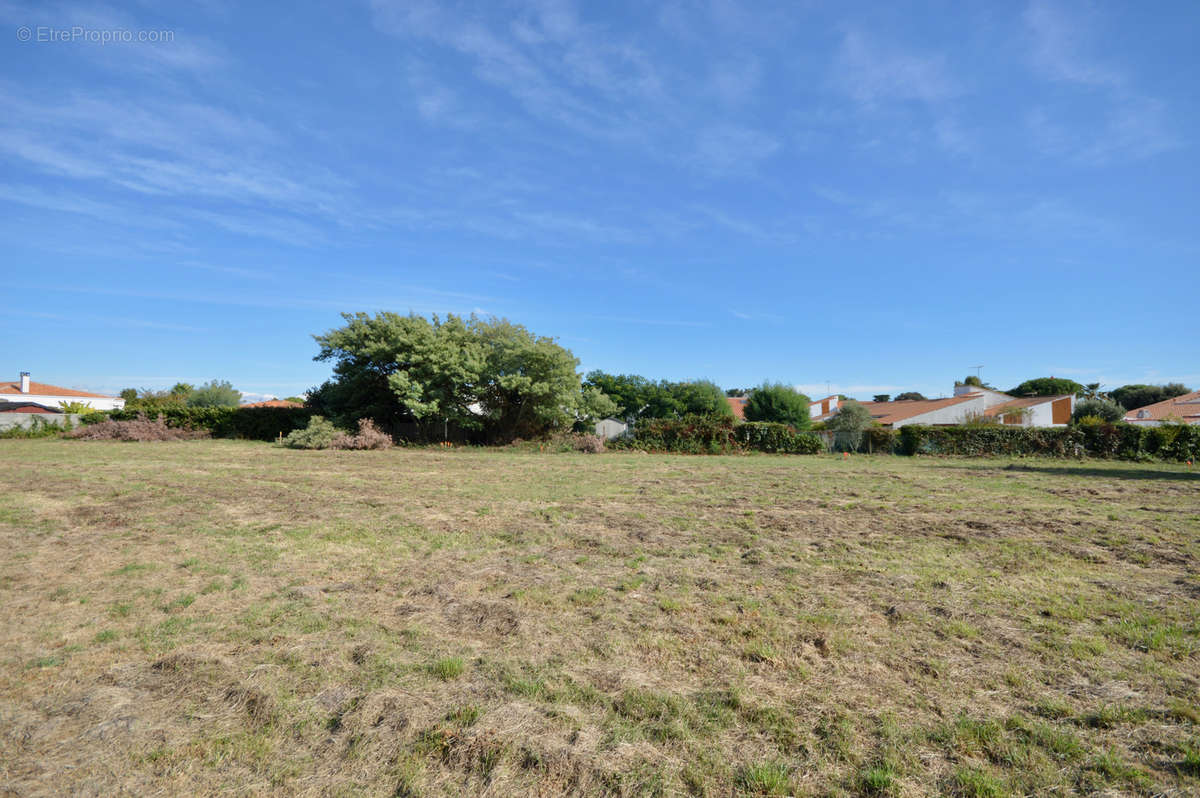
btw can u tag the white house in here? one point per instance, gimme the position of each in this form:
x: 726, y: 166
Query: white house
x: 51, y: 396
x: 968, y: 402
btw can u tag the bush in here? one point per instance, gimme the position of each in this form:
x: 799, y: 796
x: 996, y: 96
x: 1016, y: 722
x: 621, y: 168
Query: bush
x: 255, y: 423
x: 137, y: 429
x: 1096, y: 439
x: 692, y: 434
x: 369, y: 437
x: 781, y: 404
x: 1103, y: 409
x: 848, y: 425
x: 319, y: 434
x: 762, y: 436
x: 717, y: 435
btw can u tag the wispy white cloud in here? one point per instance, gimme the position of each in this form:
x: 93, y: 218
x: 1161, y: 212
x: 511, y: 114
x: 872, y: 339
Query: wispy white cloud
x: 873, y: 72
x: 1132, y: 125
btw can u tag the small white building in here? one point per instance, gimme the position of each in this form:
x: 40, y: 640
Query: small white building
x: 53, y: 396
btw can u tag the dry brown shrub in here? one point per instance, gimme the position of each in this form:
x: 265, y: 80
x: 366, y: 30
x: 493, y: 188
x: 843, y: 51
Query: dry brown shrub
x: 369, y: 437
x: 138, y: 429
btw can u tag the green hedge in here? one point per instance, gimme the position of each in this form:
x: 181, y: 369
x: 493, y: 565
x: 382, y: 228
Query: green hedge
x: 1111, y: 441
x: 763, y: 436
x: 696, y: 434
x: 256, y: 423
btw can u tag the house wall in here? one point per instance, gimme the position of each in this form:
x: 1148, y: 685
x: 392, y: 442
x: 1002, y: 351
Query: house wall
x: 954, y: 414
x: 990, y: 398
x: 10, y: 420
x: 95, y: 402
x: 611, y: 428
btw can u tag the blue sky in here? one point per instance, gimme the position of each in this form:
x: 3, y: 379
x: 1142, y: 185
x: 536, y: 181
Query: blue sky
x: 872, y: 196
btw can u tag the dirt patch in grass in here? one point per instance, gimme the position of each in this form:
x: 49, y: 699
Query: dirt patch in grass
x: 215, y: 616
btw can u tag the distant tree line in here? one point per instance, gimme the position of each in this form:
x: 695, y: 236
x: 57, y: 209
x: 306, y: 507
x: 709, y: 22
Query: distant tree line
x: 216, y: 393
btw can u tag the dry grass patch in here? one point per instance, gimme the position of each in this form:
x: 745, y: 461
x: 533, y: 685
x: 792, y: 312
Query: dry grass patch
x: 224, y: 617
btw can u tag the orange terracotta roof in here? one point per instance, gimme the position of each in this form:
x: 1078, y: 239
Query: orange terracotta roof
x: 738, y: 405
x: 1186, y: 407
x: 890, y: 412
x: 1018, y: 404
x: 42, y: 389
x: 274, y: 403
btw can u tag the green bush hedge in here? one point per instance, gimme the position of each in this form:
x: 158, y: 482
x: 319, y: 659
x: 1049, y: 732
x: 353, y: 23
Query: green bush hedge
x: 764, y: 436
x: 256, y: 423
x: 696, y: 434
x: 1111, y: 441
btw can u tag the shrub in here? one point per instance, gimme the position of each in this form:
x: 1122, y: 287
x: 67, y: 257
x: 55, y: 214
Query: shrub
x: 781, y: 404
x: 256, y: 423
x: 319, y: 434
x: 137, y: 429
x: 1103, y: 409
x: 849, y: 424
x: 368, y: 437
x: 762, y: 436
x: 692, y: 434
x: 1096, y: 439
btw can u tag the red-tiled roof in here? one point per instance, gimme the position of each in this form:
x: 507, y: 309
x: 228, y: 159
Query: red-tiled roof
x: 891, y: 412
x: 1186, y: 408
x: 738, y: 405
x: 274, y: 403
x: 42, y: 389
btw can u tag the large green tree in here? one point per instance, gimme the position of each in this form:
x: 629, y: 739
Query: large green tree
x: 1047, y: 386
x: 1131, y: 397
x: 779, y: 403
x: 528, y: 384
x: 489, y: 376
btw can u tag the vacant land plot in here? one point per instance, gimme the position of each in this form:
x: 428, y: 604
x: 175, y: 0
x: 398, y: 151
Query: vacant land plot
x: 232, y: 618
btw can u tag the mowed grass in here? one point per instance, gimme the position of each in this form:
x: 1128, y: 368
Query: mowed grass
x: 219, y: 617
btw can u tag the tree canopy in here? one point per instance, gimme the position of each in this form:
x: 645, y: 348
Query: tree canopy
x: 908, y: 396
x: 488, y: 376
x: 1047, y: 386
x: 1131, y: 397
x: 780, y: 403
x: 637, y: 397
x: 213, y: 394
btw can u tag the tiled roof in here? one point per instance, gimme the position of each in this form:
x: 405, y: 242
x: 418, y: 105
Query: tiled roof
x: 738, y: 405
x: 42, y: 389
x: 891, y: 412
x: 1019, y: 404
x: 1186, y: 407
x: 274, y: 403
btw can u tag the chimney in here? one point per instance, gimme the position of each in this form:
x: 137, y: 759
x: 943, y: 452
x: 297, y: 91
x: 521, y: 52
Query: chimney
x: 24, y: 382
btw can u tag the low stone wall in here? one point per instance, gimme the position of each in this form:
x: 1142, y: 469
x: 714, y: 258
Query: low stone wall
x: 10, y: 420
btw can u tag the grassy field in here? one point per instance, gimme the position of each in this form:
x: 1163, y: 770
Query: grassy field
x: 220, y: 617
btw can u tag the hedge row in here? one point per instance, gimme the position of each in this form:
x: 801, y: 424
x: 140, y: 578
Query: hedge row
x: 762, y: 436
x: 256, y: 423
x: 697, y: 434
x: 1110, y: 441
